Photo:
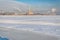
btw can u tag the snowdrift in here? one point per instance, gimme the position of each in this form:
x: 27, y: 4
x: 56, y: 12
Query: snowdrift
x: 15, y: 34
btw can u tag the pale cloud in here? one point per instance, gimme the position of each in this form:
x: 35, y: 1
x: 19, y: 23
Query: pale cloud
x: 53, y: 9
x: 5, y: 0
x: 13, y: 6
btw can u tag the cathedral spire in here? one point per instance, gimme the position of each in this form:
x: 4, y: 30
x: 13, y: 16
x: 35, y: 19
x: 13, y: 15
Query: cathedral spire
x: 30, y: 11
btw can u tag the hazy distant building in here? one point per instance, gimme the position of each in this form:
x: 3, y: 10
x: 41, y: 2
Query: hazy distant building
x: 29, y: 12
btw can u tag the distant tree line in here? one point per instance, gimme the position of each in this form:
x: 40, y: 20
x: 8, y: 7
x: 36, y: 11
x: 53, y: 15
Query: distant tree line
x: 11, y: 13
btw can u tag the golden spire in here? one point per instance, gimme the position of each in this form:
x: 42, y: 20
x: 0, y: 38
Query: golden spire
x: 30, y: 11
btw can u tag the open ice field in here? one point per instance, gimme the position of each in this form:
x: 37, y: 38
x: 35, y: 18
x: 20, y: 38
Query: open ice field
x: 49, y: 25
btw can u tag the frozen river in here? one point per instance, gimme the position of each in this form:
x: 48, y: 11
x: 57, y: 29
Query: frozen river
x: 44, y: 24
x: 49, y: 24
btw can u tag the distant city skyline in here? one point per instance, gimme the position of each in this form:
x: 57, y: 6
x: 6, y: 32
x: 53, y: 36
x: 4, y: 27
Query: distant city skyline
x: 44, y: 6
